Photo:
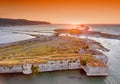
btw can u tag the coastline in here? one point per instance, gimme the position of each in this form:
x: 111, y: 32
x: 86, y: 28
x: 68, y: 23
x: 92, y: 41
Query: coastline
x: 53, y: 62
x: 86, y: 32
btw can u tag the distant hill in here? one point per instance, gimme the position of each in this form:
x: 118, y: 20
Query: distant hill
x: 19, y: 22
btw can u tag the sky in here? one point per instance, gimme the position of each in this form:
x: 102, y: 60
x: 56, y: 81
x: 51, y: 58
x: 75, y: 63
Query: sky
x: 63, y: 11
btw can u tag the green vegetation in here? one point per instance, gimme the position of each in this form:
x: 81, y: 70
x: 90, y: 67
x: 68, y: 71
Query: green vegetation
x: 14, y: 22
x: 83, y: 61
x: 35, y: 70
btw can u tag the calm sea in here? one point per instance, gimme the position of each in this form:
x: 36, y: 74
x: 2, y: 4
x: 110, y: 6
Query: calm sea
x: 17, y: 33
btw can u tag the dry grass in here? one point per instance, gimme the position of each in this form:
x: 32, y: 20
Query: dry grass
x: 59, y: 48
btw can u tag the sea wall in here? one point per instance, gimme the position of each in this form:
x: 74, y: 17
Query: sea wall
x: 11, y: 69
x: 95, y: 71
x: 42, y: 67
x: 55, y: 65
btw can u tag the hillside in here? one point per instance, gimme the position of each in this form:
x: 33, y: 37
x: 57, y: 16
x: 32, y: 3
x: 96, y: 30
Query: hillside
x: 20, y: 22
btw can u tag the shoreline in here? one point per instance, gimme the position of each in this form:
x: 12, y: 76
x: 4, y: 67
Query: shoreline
x: 86, y: 32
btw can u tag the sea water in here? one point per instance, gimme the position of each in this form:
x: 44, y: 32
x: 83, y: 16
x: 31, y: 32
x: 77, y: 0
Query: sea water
x: 16, y: 33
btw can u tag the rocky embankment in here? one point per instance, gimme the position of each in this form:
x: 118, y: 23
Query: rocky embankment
x: 77, y: 31
x: 49, y: 53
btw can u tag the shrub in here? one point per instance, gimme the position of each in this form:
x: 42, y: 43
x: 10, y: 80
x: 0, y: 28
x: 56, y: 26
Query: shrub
x: 34, y: 70
x: 85, y: 46
x: 83, y: 61
x: 3, y: 57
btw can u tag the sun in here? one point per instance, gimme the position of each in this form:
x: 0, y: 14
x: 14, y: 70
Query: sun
x: 77, y: 22
x: 74, y: 23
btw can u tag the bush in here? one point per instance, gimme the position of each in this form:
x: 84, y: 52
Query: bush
x: 83, y: 61
x: 85, y: 46
x: 34, y: 70
x: 3, y: 57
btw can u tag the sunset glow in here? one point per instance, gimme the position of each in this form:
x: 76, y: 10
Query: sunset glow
x: 63, y: 11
